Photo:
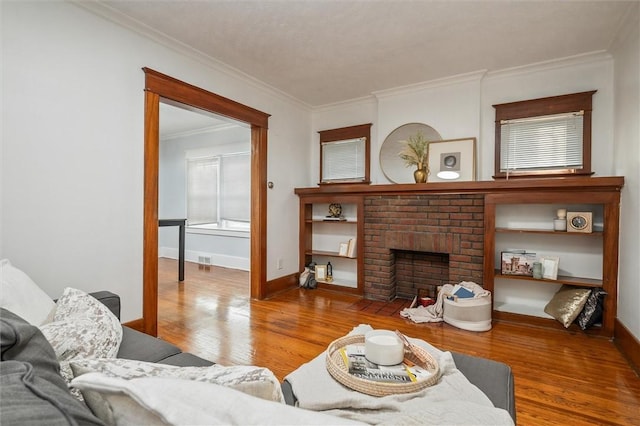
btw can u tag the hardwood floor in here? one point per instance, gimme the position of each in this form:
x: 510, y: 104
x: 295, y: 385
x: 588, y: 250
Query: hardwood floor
x: 561, y: 376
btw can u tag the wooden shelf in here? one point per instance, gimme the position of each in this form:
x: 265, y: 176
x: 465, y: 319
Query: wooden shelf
x: 351, y: 221
x: 327, y: 253
x: 547, y: 232
x: 576, y: 281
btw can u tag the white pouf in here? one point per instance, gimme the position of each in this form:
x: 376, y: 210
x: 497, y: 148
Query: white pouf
x: 468, y: 314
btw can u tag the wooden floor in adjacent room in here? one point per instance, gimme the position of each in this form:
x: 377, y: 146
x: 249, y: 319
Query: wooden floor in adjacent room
x: 561, y: 377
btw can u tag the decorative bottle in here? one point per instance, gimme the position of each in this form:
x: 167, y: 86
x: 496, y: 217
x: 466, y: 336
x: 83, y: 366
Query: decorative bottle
x: 329, y: 271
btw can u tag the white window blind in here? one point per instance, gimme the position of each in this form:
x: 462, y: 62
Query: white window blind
x: 203, y: 177
x: 542, y: 143
x: 343, y: 160
x: 236, y: 187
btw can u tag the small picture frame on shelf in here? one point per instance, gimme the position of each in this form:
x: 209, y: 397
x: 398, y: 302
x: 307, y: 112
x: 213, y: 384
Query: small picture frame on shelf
x: 550, y: 267
x: 517, y: 263
x: 344, y: 249
x: 321, y: 272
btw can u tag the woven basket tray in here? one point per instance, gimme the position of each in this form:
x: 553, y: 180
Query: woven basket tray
x: 340, y: 371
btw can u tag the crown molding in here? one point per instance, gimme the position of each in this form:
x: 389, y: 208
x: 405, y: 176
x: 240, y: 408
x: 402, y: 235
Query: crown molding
x: 100, y: 9
x: 474, y: 76
x: 567, y: 62
x: 370, y: 99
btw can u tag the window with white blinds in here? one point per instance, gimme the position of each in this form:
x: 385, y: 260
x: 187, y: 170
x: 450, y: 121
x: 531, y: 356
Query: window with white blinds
x: 219, y: 190
x: 203, y: 179
x: 235, y: 204
x: 343, y: 160
x: 542, y: 143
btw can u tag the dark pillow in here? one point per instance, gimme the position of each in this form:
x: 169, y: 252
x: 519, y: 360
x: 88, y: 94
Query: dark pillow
x: 592, y: 311
x: 31, y: 389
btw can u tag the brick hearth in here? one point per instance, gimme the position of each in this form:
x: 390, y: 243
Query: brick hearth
x: 427, y: 229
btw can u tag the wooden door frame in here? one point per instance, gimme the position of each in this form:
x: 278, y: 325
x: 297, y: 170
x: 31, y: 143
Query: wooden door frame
x: 159, y: 86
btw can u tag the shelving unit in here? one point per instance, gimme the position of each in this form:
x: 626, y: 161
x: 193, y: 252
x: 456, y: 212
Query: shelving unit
x: 590, y: 259
x: 320, y: 240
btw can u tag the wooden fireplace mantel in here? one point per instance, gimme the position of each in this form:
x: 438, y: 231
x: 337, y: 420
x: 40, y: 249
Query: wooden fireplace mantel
x: 586, y: 184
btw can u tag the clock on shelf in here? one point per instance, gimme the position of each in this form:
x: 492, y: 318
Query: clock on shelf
x: 580, y: 222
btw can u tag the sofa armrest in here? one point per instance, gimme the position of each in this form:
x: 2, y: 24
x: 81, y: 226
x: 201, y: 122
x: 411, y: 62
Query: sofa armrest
x: 110, y: 300
x: 493, y: 378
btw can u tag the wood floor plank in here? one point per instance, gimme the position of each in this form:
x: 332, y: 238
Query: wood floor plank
x: 561, y: 376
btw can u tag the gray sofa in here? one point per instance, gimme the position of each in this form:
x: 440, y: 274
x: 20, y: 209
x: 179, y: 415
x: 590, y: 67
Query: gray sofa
x: 33, y: 392
x: 495, y: 379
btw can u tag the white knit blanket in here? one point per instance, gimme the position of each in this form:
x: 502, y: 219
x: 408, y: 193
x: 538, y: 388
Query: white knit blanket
x: 453, y: 400
x: 433, y: 313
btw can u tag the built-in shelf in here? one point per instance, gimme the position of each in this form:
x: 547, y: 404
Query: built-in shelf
x: 548, y: 232
x: 327, y: 253
x: 577, y: 281
x: 319, y: 236
x: 599, y: 246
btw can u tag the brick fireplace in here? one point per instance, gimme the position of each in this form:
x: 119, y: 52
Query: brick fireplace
x: 413, y: 243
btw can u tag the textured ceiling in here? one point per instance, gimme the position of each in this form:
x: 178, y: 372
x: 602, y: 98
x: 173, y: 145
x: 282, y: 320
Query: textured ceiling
x: 321, y: 52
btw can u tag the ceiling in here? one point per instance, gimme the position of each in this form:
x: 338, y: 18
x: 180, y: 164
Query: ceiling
x: 325, y: 51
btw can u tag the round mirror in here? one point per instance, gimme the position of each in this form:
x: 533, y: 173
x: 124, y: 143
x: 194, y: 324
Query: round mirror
x: 391, y: 164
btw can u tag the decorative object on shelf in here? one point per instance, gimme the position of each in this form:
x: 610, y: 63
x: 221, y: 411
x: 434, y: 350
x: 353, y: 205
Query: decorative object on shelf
x: 537, y: 270
x: 393, y: 167
x: 307, y: 276
x: 566, y: 304
x: 351, y: 249
x: 560, y: 222
x: 343, y: 250
x: 329, y: 272
x: 580, y: 222
x: 321, y: 272
x: 550, y: 267
x: 335, y: 210
x: 592, y: 312
x: 517, y: 263
x: 452, y: 160
x: 416, y: 153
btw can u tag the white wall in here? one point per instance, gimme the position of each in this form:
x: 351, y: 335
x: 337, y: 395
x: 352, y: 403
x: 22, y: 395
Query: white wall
x: 72, y: 165
x: 626, y: 53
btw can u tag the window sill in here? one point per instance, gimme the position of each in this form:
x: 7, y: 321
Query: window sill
x: 222, y: 232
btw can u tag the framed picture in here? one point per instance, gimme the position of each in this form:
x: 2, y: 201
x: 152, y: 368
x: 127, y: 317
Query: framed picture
x: 517, y: 263
x: 321, y: 272
x: 452, y: 160
x: 344, y: 249
x: 550, y: 267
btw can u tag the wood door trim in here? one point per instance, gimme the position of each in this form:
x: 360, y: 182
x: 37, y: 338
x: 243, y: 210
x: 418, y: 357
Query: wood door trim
x: 158, y: 85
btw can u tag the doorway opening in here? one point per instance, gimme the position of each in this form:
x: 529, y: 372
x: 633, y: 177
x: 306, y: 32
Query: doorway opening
x: 162, y: 87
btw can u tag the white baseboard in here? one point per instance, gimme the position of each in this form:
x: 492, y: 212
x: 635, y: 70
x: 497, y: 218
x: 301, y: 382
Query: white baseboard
x: 217, y: 259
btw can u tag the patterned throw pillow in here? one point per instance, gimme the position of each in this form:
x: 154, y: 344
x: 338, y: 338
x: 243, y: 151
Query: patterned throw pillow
x: 82, y: 328
x: 567, y: 303
x: 256, y: 381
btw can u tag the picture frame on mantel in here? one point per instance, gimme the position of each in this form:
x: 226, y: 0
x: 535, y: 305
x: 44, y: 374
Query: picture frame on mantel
x: 452, y: 160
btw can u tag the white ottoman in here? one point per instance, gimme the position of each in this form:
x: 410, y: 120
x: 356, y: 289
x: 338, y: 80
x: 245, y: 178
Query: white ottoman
x: 468, y: 314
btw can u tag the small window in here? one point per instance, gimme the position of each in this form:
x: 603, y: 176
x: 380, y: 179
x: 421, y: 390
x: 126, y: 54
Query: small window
x: 344, y: 155
x: 343, y: 160
x: 544, y: 137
